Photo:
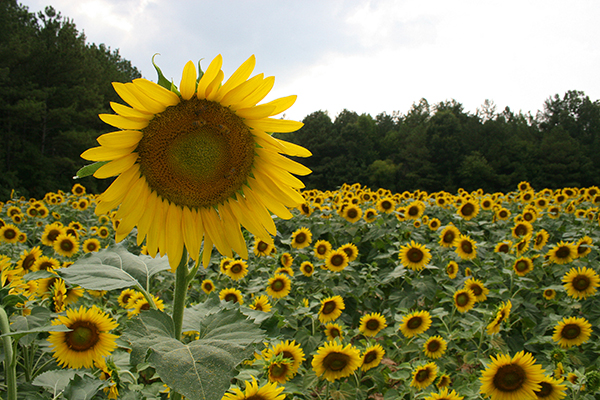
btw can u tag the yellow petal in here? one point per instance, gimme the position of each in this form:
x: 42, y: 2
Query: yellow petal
x: 174, y: 237
x: 241, y: 212
x: 156, y: 92
x: 207, y: 251
x: 150, y: 105
x: 239, y: 76
x: 288, y: 196
x: 209, y: 76
x: 129, y: 112
x: 132, y: 198
x: 232, y: 231
x: 116, y: 166
x: 293, y: 149
x: 267, y: 141
x: 147, y: 218
x: 280, y: 174
x: 260, y: 93
x: 211, y: 90
x: 120, y: 139
x: 123, y: 122
x: 265, y: 197
x: 124, y: 92
x: 275, y: 125
x: 282, y: 162
x: 282, y: 104
x: 103, y: 153
x: 192, y: 232
x: 187, y: 88
x: 157, y: 225
x: 118, y: 189
x: 257, y: 112
x: 135, y: 202
x: 260, y: 212
x: 243, y: 90
x: 214, y: 229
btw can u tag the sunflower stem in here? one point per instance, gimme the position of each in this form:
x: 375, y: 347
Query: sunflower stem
x: 181, y: 286
x: 10, y: 365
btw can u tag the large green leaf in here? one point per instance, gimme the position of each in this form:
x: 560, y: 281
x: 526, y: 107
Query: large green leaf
x: 36, y: 322
x: 150, y: 328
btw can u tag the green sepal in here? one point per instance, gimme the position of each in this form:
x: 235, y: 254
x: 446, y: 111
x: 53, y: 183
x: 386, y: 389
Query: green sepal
x: 90, y: 169
x: 162, y: 81
x: 200, y: 72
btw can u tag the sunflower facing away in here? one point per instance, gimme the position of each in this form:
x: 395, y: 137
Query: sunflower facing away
x: 572, y: 331
x: 513, y: 378
x: 415, y: 323
x: 87, y: 341
x: 581, y: 282
x: 334, y: 361
x: 198, y: 161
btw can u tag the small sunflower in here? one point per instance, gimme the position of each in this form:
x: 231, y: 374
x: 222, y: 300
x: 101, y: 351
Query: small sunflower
x: 336, y: 260
x: 478, y: 289
x: 549, y: 294
x: 448, y: 236
x: 9, y: 234
x: 334, y: 361
x: 237, y: 269
x: 352, y: 213
x: 540, y: 239
x: 501, y: 315
x: 279, y: 286
x: 513, y: 378
x: 333, y: 332
x: 435, y: 347
x: 224, y: 264
x: 207, y: 286
x: 414, y: 256
x: 443, y: 381
x: 91, y: 245
x: 466, y: 247
x: 51, y: 232
x: 452, y: 269
x: 126, y: 296
x: 232, y: 295
x: 562, y: 253
x: 468, y: 210
x: 551, y: 389
x: 503, y: 247
x: 279, y: 370
x: 88, y: 340
x: 572, y: 331
x: 66, y: 245
x: 386, y: 205
x: 301, y: 238
x: 261, y: 303
x: 444, y: 394
x: 370, y: 215
x: 331, y: 308
x: 371, y: 324
x: 424, y: 375
x: 286, y: 260
x: 415, y: 323
x: 351, y: 251
x: 262, y: 248
x: 321, y: 248
x: 28, y: 259
x: 372, y: 357
x: 307, y: 268
x: 464, y: 300
x: 103, y: 232
x: 45, y: 263
x: 140, y: 304
x: 581, y: 282
x: 289, y: 350
x: 269, y: 391
x: 522, y: 266
x: 584, y: 246
x: 285, y: 270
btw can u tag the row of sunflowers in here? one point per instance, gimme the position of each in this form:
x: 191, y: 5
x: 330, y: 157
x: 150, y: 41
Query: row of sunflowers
x: 361, y: 294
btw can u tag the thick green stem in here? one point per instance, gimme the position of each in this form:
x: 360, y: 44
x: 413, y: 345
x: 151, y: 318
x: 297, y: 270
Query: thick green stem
x: 10, y: 364
x: 181, y: 286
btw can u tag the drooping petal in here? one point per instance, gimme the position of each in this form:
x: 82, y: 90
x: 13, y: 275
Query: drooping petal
x: 129, y: 112
x: 282, y: 162
x: 243, y: 90
x: 123, y: 122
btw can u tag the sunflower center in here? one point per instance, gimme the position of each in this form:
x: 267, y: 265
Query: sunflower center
x: 462, y: 299
x: 300, y: 238
x: 415, y: 255
x: 466, y: 247
x: 433, y: 346
x: 10, y: 234
x: 231, y: 297
x: 278, y: 285
x: 509, y: 378
x: 321, y: 250
x: 262, y: 246
x: 334, y: 332
x: 528, y: 217
x: 386, y: 205
x: 581, y: 249
x: 91, y: 246
x: 329, y: 307
x: 349, y: 252
x: 520, y: 230
x: 335, y: 361
x: 370, y: 214
x: 308, y: 268
x: 468, y: 209
x: 571, y: 331
x: 29, y: 261
x: 476, y: 289
x: 521, y: 266
x: 422, y: 375
x: 449, y: 237
x: 503, y: 214
x: 581, y: 283
x: 337, y: 260
x: 352, y: 213
x: 563, y: 252
x: 370, y: 357
x: 83, y: 336
x: 53, y: 234
x: 197, y: 153
x: 278, y: 370
x: 236, y: 268
x: 545, y: 391
x: 414, y: 323
x: 66, y: 245
x: 372, y: 325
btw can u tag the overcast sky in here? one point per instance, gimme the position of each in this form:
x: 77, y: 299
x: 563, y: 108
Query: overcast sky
x: 366, y: 56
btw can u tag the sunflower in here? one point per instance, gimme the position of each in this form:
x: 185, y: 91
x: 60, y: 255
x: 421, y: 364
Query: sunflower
x: 199, y: 159
x: 352, y: 213
x: 321, y: 248
x: 509, y: 378
x: 501, y: 315
x: 386, y: 205
x: 331, y: 308
x: 478, y: 289
x: 448, y: 236
x: 434, y: 224
x: 370, y: 215
x: 207, y: 286
x: 584, y: 246
x: 452, y: 269
x: 126, y: 296
x: 435, y: 347
x: 28, y: 259
x: 549, y: 294
x: 279, y: 286
x: 424, y: 375
x: 415, y: 323
x: 231, y: 294
x: 351, y: 251
x: 371, y: 324
x: 581, y: 282
x: 288, y: 350
x: 522, y: 266
x: 334, y: 361
x: 51, y: 232
x: 540, y: 239
x: 443, y: 381
x: 262, y: 248
x: 466, y: 248
x: 336, y: 260
x: 372, y: 357
x: 78, y: 190
x: 286, y: 260
x: 285, y: 270
x: 551, y: 389
x: 301, y: 238
x: 269, y: 391
x: 66, y: 245
x: 415, y: 210
x: 279, y: 370
x: 261, y: 303
x: 87, y: 341
x: 91, y: 245
x: 141, y: 304
x: 562, y: 253
x: 307, y: 268
x: 414, y: 256
x: 103, y: 232
x: 333, y: 332
x: 464, y: 300
x: 45, y: 263
x: 237, y: 270
x: 572, y: 331
x: 444, y: 394
x: 503, y: 213
x: 9, y: 234
x: 468, y: 210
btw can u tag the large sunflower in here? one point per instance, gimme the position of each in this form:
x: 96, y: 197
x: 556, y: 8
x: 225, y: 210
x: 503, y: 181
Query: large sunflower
x: 331, y: 308
x: 414, y: 256
x: 371, y: 324
x: 562, y: 253
x: 372, y: 357
x: 424, y: 375
x: 513, y: 378
x: 572, y: 331
x: 197, y: 162
x: 269, y: 391
x: 415, y: 323
x: 334, y: 361
x: 87, y: 341
x: 336, y: 260
x: 581, y: 282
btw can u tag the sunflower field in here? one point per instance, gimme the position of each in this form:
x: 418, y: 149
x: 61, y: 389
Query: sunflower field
x: 362, y: 294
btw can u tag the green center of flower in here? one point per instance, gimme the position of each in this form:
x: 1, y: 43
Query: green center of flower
x: 66, y: 245
x: 196, y: 153
x: 262, y: 246
x: 372, y: 325
x: 336, y: 361
x: 521, y: 266
x: 466, y: 247
x: 415, y: 255
x: 581, y: 283
x: 462, y: 299
x: 334, y: 332
x: 278, y: 285
x: 449, y: 237
x: 414, y: 210
x: 509, y: 378
x: 571, y: 331
x: 308, y: 268
x: 352, y: 213
x: 422, y: 375
x: 300, y: 238
x: 10, y: 234
x: 386, y: 205
x: 476, y: 289
x: 91, y: 246
x: 83, y: 336
x: 236, y: 268
x: 329, y: 307
x: 278, y: 370
x: 414, y: 322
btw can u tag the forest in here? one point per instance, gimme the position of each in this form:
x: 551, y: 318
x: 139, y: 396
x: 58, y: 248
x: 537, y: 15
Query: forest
x: 53, y: 85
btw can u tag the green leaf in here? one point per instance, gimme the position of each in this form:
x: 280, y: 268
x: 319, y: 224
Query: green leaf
x: 90, y: 169
x: 162, y: 81
x: 149, y: 328
x: 82, y: 387
x: 32, y: 276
